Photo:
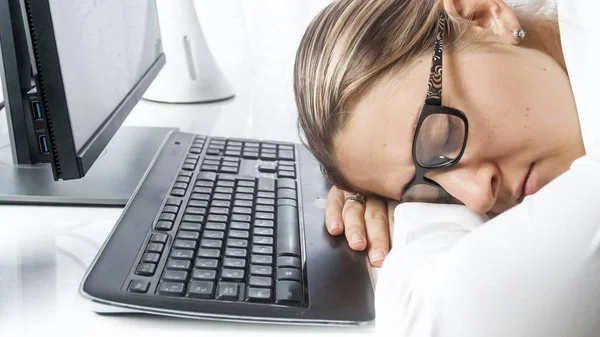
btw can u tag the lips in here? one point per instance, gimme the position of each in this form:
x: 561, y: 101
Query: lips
x: 528, y: 186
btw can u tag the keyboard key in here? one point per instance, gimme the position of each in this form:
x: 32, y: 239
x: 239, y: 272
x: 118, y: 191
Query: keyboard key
x: 267, y: 168
x: 182, y: 254
x: 241, y: 218
x: 195, y: 210
x: 217, y: 218
x: 268, y: 145
x: 186, y: 244
x: 226, y: 183
x: 246, y: 183
x: 288, y: 292
x: 200, y: 196
x: 211, y: 162
x: 209, y: 176
x: 286, y: 174
x: 229, y: 169
x: 163, y: 225
x: 202, y: 190
x: 262, y: 240
x: 201, y: 289
x: 260, y: 281
x: 227, y: 291
x: 171, y: 209
x: 263, y: 208
x: 198, y: 203
x: 167, y: 217
x: 214, y: 235
x: 221, y: 203
x: 207, y: 243
x: 236, y: 252
x: 171, y: 288
x: 286, y: 193
x: 288, y: 261
x: 216, y: 226
x: 258, y: 295
x: 209, y: 168
x: 261, y: 270
x: 263, y: 231
x: 233, y: 153
x: 146, y: 269
x: 231, y: 159
x: 193, y: 218
x: 155, y: 247
x: 138, y: 286
x: 264, y: 216
x: 244, y: 196
x: 151, y: 257
x: 288, y: 233
x: 239, y: 234
x: 221, y: 189
x: 187, y: 235
x: 234, y: 263
x: 159, y: 237
x: 173, y: 202
x: 269, y: 150
x: 206, y: 263
x: 286, y: 183
x: 219, y: 210
x: 265, y: 201
x: 250, y: 155
x: 264, y: 223
x: 186, y: 174
x: 268, y: 156
x: 238, y: 243
x: 285, y: 155
x: 232, y: 274
x: 266, y: 184
x: 239, y: 225
x: 262, y: 250
x: 209, y: 253
x: 179, y: 264
x: 287, y: 202
x: 190, y: 226
x: 291, y: 274
x: 175, y: 275
x: 181, y: 185
x: 188, y: 167
x: 266, y: 195
x: 204, y: 274
x: 252, y: 144
x: 242, y: 203
x: 242, y: 210
x: 261, y: 259
x: 204, y: 183
x: 222, y: 196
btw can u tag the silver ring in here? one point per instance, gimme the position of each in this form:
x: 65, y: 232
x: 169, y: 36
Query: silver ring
x: 519, y: 34
x: 356, y: 197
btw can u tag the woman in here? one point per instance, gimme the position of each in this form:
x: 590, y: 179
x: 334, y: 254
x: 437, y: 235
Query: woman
x: 511, y: 139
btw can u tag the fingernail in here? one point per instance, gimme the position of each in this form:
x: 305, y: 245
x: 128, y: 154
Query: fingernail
x: 335, y: 225
x: 377, y: 255
x: 356, y: 238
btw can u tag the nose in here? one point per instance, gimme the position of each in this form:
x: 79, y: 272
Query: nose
x: 476, y: 186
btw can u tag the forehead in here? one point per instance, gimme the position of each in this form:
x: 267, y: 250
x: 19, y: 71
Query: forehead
x: 374, y: 150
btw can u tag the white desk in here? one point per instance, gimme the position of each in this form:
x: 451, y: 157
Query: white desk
x: 44, y: 251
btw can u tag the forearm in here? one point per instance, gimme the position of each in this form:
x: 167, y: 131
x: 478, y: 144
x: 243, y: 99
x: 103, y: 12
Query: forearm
x: 532, y: 271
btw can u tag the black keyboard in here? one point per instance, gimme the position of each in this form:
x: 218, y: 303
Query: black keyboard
x: 224, y: 232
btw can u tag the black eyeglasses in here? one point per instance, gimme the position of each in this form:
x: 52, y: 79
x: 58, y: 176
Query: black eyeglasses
x: 440, y: 137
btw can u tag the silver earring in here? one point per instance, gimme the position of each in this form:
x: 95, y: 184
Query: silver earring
x: 519, y: 34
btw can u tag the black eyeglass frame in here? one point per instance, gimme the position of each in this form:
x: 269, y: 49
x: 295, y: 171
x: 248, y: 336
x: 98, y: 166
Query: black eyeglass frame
x: 433, y: 105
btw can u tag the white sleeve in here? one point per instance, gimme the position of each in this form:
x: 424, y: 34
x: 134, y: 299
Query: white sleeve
x: 531, y: 271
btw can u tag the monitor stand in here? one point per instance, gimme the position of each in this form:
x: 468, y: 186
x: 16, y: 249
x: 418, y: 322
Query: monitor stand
x: 111, y: 181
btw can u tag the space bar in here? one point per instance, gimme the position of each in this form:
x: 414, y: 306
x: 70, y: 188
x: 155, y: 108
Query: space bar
x: 288, y: 232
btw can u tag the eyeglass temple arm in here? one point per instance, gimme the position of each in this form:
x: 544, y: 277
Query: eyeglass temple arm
x: 434, y: 90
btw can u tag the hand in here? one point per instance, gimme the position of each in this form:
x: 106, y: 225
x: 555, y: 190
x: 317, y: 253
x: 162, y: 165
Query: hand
x: 366, y: 226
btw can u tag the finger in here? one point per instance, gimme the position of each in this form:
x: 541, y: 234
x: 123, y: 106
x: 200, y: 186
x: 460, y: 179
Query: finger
x: 353, y: 213
x: 391, y: 207
x: 376, y: 221
x: 333, y: 211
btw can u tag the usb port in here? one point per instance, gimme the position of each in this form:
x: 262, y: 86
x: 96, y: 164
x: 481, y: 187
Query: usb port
x: 36, y: 107
x: 44, y: 147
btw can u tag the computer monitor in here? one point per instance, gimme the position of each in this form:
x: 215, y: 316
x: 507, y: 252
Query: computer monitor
x: 72, y: 72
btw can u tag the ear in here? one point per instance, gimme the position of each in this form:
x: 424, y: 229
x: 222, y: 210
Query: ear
x: 492, y: 15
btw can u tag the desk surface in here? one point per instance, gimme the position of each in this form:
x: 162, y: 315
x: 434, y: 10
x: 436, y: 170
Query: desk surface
x: 44, y: 251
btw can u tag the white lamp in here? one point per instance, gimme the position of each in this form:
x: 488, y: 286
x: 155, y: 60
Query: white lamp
x: 191, y: 74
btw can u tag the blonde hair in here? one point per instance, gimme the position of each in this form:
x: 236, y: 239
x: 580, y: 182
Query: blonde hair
x: 352, y: 44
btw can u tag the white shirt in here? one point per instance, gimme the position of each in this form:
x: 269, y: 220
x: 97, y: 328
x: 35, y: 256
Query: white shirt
x: 531, y: 271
